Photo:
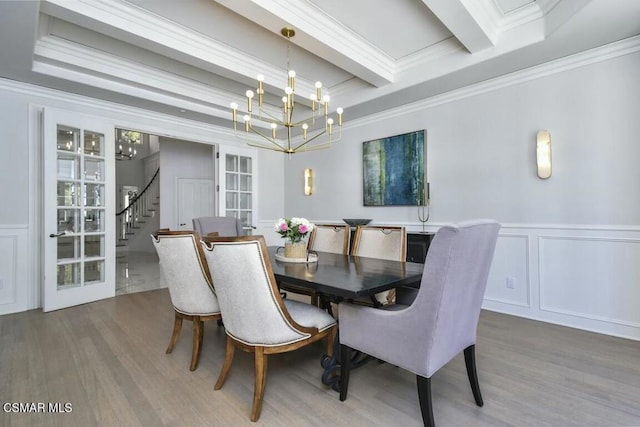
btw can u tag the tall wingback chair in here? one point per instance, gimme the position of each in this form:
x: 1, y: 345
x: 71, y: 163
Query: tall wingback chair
x: 442, y: 320
x: 330, y: 238
x: 183, y: 267
x: 223, y: 225
x: 383, y: 242
x: 256, y: 318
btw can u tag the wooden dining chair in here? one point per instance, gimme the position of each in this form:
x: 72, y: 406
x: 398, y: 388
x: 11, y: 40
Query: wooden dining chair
x: 439, y: 324
x: 256, y: 318
x: 332, y: 238
x: 184, y: 269
x: 383, y: 242
x: 323, y: 238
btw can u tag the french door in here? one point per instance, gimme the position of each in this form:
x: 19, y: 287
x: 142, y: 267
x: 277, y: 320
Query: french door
x: 238, y: 186
x: 79, y: 209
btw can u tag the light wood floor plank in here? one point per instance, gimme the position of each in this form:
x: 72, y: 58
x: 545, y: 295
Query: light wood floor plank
x: 107, y: 359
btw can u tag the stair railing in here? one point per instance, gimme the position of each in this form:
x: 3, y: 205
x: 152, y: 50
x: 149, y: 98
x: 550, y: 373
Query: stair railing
x: 141, y: 206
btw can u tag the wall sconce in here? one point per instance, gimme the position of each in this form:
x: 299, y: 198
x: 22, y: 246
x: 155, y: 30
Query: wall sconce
x: 543, y: 154
x: 308, y: 182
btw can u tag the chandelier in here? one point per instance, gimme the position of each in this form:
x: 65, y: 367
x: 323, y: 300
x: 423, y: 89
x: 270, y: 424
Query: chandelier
x: 302, y: 134
x: 127, y: 140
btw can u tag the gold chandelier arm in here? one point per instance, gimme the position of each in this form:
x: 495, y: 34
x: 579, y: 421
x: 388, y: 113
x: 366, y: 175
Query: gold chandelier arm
x: 269, y: 139
x: 298, y: 147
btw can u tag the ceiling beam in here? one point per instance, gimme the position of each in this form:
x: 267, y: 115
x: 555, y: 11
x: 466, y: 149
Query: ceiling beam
x: 321, y: 35
x: 469, y: 22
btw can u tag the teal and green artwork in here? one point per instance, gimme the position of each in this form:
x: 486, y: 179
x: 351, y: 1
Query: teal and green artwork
x: 394, y: 170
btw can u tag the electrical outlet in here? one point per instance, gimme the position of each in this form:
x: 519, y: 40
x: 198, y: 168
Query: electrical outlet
x: 511, y: 282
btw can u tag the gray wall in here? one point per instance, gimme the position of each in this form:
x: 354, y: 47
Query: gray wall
x: 481, y: 154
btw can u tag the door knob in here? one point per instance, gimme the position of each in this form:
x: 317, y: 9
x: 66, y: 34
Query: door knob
x: 182, y: 224
x: 62, y: 233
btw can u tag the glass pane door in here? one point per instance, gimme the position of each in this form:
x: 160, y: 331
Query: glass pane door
x: 237, y: 192
x: 78, y: 249
x: 80, y: 211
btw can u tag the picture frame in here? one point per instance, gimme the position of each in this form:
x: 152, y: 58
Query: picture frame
x: 394, y: 170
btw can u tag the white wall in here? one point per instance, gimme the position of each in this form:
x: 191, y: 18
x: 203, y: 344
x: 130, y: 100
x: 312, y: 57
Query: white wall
x: 572, y: 242
x: 180, y: 159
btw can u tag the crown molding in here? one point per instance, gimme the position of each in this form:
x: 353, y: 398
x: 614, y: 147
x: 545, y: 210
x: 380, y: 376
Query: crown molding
x: 112, y: 109
x: 141, y: 23
x: 582, y: 59
x: 139, y: 76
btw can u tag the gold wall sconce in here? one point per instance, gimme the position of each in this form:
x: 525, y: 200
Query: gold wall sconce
x: 308, y: 182
x: 543, y: 154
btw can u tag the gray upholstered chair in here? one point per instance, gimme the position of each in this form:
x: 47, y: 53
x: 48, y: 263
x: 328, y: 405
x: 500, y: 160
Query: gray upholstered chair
x: 183, y: 268
x: 439, y: 324
x: 256, y: 318
x: 384, y: 242
x: 223, y: 225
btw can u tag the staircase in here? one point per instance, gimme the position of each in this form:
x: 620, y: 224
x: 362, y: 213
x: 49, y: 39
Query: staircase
x: 134, y: 216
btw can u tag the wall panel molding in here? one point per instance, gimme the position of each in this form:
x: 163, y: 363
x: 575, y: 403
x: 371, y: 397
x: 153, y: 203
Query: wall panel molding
x: 597, y: 282
x: 13, y: 269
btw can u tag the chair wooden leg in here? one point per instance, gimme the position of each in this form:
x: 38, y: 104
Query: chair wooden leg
x: 198, y: 333
x: 226, y: 366
x: 260, y: 382
x: 424, y: 396
x: 315, y: 300
x: 472, y: 373
x: 345, y: 361
x: 177, y: 327
x: 331, y: 339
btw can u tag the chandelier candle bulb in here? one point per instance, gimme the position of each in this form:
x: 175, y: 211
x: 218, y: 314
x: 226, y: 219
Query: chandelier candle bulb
x: 234, y: 112
x: 249, y: 94
x: 312, y: 97
x: 304, y: 131
x: 260, y: 78
x: 273, y: 130
x: 318, y: 91
x: 292, y: 80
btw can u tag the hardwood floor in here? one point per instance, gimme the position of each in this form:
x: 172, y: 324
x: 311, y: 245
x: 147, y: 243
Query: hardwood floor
x: 107, y: 360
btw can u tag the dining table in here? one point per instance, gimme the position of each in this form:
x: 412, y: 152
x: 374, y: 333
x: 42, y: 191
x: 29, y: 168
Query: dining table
x: 337, y: 278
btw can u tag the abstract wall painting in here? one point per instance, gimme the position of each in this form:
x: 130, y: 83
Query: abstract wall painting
x: 395, y: 170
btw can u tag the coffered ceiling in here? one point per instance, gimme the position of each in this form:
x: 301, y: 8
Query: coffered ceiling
x: 192, y: 58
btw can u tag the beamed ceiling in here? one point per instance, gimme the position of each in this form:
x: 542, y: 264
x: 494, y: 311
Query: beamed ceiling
x: 192, y: 58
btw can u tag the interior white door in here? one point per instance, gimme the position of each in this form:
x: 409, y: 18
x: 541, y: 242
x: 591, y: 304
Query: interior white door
x: 238, y: 196
x: 195, y: 200
x: 79, y: 209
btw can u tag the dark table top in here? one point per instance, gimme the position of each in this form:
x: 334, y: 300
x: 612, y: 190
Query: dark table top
x: 347, y: 276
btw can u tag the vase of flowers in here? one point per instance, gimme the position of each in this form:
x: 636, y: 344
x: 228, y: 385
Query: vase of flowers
x: 295, y: 230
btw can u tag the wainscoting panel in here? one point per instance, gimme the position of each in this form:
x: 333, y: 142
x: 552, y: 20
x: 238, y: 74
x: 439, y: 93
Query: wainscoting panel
x: 509, y: 276
x: 14, y: 278
x: 8, y: 246
x: 591, y: 277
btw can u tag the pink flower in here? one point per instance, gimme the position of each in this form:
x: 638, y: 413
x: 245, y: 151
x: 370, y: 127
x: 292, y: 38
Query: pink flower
x: 302, y: 228
x: 283, y: 226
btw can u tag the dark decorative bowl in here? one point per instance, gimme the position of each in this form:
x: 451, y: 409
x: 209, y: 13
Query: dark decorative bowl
x: 357, y: 221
